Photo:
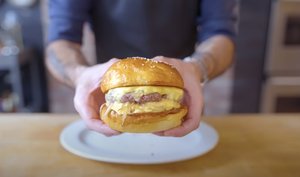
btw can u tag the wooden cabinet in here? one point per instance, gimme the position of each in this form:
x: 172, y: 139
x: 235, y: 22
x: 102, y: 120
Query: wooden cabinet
x: 282, y: 87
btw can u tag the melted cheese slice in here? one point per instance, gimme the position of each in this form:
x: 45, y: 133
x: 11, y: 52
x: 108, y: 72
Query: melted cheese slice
x: 171, y: 101
x: 172, y: 93
x: 131, y: 108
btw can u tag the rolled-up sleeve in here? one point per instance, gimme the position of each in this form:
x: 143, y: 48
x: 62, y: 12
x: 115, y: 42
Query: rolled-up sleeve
x: 66, y: 19
x: 218, y: 17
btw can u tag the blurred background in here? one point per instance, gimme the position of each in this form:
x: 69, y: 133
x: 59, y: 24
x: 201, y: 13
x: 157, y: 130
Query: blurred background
x: 265, y: 77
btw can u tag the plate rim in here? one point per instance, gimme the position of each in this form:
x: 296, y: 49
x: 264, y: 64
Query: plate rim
x: 75, y: 151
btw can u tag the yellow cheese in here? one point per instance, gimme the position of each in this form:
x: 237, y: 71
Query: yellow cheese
x: 131, y: 108
x: 172, y: 93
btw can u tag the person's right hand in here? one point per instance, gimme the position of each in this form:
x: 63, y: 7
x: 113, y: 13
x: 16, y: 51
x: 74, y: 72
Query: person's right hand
x: 89, y: 97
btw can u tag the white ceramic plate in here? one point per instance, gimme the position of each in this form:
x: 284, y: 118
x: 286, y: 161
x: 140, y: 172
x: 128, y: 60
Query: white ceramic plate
x: 137, y: 148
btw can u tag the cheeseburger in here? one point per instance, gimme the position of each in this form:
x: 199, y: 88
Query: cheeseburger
x: 142, y: 96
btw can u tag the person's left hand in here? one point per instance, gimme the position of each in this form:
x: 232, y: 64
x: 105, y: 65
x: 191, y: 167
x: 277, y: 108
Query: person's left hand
x: 89, y: 97
x: 193, y: 97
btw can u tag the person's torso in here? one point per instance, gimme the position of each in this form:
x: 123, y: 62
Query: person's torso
x: 146, y: 28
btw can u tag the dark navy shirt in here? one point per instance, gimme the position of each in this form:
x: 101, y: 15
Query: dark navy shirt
x: 145, y: 28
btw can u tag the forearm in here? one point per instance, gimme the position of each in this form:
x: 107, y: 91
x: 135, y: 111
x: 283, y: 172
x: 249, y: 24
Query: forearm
x: 215, y: 54
x: 65, y: 61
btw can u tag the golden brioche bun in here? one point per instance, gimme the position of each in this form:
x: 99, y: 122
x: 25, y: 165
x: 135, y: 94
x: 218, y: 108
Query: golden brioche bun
x: 138, y: 71
x: 143, y: 123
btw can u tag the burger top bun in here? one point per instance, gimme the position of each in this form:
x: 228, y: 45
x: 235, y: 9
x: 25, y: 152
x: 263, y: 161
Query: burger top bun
x: 138, y: 71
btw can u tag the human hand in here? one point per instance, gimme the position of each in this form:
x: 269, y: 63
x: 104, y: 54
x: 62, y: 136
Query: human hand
x: 193, y: 97
x: 89, y: 97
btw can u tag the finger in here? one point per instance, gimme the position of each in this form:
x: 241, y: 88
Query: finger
x: 113, y: 60
x: 164, y: 59
x: 185, y: 128
x: 161, y: 133
x: 93, y: 121
x: 99, y: 126
x: 85, y: 104
x: 158, y: 58
x: 192, y: 120
x: 87, y: 108
x: 171, y: 61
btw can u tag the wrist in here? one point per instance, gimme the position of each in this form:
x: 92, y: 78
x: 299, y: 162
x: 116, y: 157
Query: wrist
x: 75, y: 72
x: 200, y: 68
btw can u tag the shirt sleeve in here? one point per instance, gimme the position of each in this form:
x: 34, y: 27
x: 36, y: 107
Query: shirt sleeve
x: 66, y: 19
x: 218, y: 17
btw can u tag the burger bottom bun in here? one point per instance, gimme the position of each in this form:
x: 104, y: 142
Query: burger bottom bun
x: 143, y: 123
